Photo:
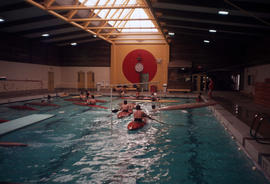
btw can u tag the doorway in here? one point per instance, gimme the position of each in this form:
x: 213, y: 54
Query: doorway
x: 90, y: 80
x: 50, y: 81
x: 81, y: 80
x: 144, y: 77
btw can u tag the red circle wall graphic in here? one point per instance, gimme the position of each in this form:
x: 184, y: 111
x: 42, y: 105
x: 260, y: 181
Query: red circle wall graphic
x: 139, y: 56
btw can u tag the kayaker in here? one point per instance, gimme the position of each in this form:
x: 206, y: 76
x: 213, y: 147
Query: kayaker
x: 91, y: 101
x: 199, y: 98
x: 139, y: 114
x: 154, y: 97
x: 81, y: 95
x: 125, y: 106
x: 138, y: 93
x: 87, y: 95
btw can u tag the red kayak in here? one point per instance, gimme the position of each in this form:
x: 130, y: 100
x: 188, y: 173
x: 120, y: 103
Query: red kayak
x: 134, y: 98
x: 3, y: 120
x: 22, y: 107
x: 12, y: 144
x: 84, y: 104
x: 81, y: 100
x: 134, y: 125
x: 123, y: 114
x: 42, y: 104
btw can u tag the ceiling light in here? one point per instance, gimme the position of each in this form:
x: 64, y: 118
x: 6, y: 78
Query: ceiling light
x: 222, y: 12
x: 73, y: 44
x: 171, y: 33
x: 212, y: 30
x: 2, y: 20
x: 206, y: 41
x: 94, y: 36
x: 45, y: 35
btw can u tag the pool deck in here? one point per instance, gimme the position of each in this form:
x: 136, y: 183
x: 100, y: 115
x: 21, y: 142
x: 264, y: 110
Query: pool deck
x: 234, y: 111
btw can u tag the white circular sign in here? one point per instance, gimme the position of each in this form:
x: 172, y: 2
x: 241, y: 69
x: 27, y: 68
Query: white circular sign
x: 139, y: 67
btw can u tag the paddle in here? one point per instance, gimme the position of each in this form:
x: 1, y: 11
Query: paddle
x: 163, y: 122
x: 115, y: 110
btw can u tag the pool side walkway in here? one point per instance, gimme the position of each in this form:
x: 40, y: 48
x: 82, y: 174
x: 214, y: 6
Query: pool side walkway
x: 235, y: 112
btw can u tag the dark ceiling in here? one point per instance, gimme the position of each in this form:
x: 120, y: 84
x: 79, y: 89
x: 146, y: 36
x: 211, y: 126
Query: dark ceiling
x: 248, y: 21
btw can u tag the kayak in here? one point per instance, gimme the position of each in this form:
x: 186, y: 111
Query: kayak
x: 187, y: 106
x: 123, y: 114
x: 42, y: 104
x: 88, y: 105
x: 9, y: 144
x: 134, y: 125
x: 3, y: 120
x: 81, y: 100
x: 22, y: 107
x: 133, y: 98
x: 160, y: 101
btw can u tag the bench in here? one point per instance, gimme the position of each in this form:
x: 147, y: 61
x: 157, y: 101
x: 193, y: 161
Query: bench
x: 179, y: 90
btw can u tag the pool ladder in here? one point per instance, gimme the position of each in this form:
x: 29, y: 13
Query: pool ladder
x: 258, y: 120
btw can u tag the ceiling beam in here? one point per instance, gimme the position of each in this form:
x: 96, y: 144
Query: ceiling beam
x: 26, y: 21
x: 64, y: 18
x: 145, y: 38
x: 125, y: 34
x: 218, y: 30
x: 95, y: 7
x: 207, y: 30
x: 141, y: 43
x: 101, y: 19
x: 213, y: 22
x: 122, y: 28
x: 79, y: 41
x: 68, y: 37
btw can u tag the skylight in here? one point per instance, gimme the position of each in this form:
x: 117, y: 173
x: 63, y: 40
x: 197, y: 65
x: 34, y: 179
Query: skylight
x: 123, y: 13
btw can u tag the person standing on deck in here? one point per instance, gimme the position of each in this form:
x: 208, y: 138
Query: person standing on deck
x: 210, y: 87
x: 154, y: 97
x: 137, y: 93
x: 87, y: 95
x: 199, y: 98
x: 81, y: 95
x: 139, y: 114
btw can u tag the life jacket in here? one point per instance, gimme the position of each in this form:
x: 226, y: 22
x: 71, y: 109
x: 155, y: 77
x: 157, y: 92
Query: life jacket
x: 138, y: 114
x: 91, y: 101
x: 125, y: 107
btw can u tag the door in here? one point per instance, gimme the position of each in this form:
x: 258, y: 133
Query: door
x: 90, y: 80
x: 144, y: 77
x: 50, y: 81
x: 81, y: 80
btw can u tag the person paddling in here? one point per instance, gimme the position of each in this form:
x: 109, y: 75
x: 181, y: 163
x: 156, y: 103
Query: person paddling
x: 139, y: 114
x: 125, y: 106
x: 91, y: 101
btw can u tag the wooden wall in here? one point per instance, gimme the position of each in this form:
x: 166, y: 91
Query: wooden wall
x: 95, y: 54
x: 218, y: 54
x: 262, y: 93
x: 18, y: 49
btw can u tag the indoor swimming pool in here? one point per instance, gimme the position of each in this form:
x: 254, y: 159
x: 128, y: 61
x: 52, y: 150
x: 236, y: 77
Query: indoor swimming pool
x: 86, y: 145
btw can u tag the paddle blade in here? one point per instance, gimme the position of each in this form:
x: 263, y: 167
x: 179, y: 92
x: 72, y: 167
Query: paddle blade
x: 115, y: 110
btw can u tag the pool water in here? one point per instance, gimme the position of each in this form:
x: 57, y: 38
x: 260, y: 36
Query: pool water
x: 79, y: 145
